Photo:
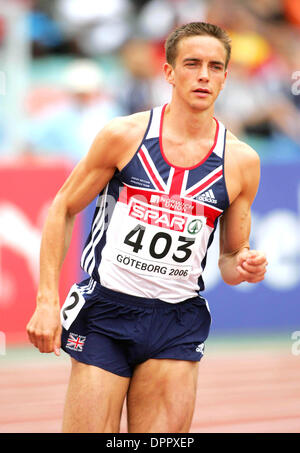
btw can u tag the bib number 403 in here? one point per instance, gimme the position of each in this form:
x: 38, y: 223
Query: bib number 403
x: 135, y: 240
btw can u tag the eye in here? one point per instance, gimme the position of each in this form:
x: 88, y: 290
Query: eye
x: 217, y: 67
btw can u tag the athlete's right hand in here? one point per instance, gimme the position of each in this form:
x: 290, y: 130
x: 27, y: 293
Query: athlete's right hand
x: 44, y: 328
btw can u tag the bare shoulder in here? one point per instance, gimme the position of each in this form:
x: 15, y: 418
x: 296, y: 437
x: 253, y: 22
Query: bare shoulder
x: 129, y: 127
x: 243, y: 154
x: 242, y: 168
x: 117, y: 141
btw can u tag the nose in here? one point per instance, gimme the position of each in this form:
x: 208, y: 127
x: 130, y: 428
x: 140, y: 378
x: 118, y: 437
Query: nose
x: 203, y: 74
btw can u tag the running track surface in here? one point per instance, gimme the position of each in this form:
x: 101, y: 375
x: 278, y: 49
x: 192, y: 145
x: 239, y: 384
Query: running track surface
x: 243, y: 387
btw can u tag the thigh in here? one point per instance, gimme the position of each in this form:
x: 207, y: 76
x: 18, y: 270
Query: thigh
x: 94, y: 400
x: 161, y: 396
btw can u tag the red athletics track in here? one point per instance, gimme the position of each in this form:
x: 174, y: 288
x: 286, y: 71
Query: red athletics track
x: 242, y: 389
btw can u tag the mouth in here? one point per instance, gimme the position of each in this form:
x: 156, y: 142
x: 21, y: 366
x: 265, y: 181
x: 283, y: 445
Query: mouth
x: 202, y: 90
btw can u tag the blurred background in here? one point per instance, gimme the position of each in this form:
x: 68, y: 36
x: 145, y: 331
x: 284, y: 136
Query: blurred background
x: 66, y: 70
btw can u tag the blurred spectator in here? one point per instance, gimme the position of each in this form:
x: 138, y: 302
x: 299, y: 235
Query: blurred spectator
x: 45, y: 34
x: 68, y: 125
x: 128, y: 35
x: 256, y: 100
x: 95, y: 27
x: 135, y: 93
x: 267, y: 10
x: 244, y: 100
x: 158, y: 17
x: 143, y: 85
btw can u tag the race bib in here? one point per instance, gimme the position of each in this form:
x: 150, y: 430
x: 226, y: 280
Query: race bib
x: 151, y: 239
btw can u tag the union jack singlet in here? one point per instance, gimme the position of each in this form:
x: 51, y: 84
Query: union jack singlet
x: 154, y: 221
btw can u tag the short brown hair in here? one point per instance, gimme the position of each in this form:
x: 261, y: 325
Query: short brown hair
x: 195, y: 29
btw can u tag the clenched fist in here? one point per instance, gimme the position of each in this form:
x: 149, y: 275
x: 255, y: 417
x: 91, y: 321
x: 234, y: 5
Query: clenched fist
x: 44, y: 328
x: 252, y: 265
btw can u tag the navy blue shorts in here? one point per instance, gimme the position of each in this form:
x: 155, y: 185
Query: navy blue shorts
x: 116, y: 332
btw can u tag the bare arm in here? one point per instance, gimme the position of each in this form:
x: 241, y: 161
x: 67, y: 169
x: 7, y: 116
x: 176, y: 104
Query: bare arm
x: 85, y: 182
x: 237, y: 262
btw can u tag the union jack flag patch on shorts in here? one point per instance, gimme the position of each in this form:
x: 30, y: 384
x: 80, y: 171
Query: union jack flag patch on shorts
x: 75, y: 342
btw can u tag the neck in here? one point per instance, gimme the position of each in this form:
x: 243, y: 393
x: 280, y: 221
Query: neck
x: 189, y: 122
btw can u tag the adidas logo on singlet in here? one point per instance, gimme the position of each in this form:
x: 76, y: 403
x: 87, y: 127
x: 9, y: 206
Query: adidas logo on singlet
x: 208, y: 196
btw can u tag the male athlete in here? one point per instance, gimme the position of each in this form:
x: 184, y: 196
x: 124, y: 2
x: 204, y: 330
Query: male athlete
x: 137, y: 327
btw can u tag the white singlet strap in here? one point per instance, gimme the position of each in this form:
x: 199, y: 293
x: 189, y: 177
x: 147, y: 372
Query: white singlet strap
x: 219, y: 148
x: 154, y: 128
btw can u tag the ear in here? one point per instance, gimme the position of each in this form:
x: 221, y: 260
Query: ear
x: 169, y: 73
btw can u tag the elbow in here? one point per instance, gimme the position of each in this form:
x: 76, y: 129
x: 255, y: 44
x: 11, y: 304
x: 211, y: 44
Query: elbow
x: 60, y: 207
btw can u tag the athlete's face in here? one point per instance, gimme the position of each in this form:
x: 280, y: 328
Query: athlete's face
x: 198, y: 74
